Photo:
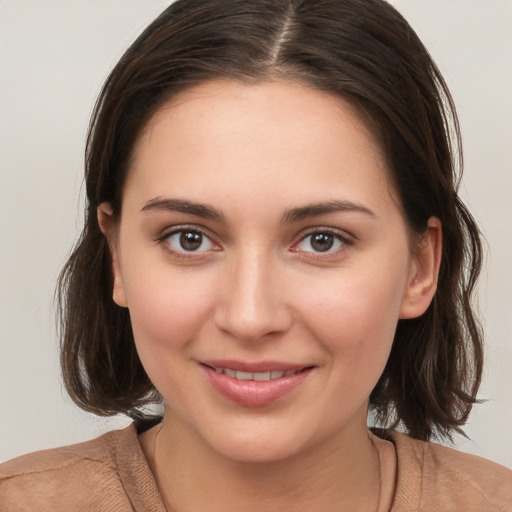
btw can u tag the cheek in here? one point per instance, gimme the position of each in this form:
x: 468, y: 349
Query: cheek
x: 167, y: 312
x: 355, y: 318
x: 167, y: 308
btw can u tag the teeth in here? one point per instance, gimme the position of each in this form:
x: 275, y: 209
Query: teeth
x: 243, y: 376
x: 268, y: 375
x: 258, y: 376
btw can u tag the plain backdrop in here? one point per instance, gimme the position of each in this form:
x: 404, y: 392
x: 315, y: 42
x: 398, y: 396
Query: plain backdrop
x: 54, y: 56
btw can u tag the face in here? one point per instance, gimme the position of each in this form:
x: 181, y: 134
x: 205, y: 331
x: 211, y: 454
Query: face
x: 265, y: 262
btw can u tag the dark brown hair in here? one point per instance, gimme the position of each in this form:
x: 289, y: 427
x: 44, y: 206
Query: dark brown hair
x: 363, y: 51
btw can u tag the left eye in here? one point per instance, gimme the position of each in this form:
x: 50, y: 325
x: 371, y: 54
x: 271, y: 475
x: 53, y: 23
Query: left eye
x: 189, y: 240
x: 320, y: 241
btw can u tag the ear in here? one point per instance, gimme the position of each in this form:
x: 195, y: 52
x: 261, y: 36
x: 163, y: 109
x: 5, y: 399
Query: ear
x: 108, y: 227
x: 424, y: 271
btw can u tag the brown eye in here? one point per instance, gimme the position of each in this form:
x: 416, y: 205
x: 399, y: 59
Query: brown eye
x: 322, y: 242
x: 191, y: 240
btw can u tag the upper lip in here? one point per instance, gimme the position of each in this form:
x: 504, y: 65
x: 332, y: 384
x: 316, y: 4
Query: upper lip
x: 254, y: 367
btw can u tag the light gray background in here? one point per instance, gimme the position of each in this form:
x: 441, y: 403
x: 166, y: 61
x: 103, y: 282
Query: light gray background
x: 54, y: 56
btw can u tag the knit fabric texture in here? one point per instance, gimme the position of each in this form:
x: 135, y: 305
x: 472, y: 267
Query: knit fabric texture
x: 111, y: 474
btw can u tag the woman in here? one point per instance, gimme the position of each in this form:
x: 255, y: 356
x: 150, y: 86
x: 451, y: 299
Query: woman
x: 273, y: 244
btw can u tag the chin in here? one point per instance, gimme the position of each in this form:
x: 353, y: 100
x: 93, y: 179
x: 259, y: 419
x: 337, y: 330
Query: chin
x: 261, y: 443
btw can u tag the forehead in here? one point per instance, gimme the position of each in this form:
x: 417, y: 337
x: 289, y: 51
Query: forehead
x: 272, y: 138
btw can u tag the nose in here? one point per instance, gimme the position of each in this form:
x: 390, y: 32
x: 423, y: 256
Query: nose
x: 252, y: 305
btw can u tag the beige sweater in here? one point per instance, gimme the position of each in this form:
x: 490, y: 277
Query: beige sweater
x: 111, y: 474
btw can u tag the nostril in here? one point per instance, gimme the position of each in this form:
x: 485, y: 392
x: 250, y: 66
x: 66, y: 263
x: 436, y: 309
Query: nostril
x: 253, y: 325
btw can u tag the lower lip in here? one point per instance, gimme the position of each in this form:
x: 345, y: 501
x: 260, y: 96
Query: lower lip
x: 252, y: 393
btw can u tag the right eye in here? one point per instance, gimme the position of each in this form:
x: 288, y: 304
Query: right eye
x: 188, y: 240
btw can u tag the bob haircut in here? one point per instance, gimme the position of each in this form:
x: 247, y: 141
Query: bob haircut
x: 363, y: 51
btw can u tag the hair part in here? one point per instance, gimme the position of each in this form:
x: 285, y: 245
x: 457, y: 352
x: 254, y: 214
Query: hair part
x: 362, y: 51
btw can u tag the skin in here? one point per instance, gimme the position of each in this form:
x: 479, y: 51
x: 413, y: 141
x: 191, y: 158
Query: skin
x: 257, y: 289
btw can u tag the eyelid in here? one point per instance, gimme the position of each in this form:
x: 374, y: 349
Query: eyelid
x: 167, y: 233
x: 345, y: 238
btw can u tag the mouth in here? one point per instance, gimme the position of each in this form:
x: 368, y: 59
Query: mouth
x: 255, y: 385
x: 257, y: 376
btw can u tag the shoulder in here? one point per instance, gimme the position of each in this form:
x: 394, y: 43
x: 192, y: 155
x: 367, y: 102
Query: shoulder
x: 98, y: 450
x: 77, y: 477
x: 434, y: 477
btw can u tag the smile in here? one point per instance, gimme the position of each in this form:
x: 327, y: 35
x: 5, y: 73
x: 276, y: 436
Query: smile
x: 257, y: 376
x: 255, y: 385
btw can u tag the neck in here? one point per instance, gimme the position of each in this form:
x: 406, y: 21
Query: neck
x: 341, y: 473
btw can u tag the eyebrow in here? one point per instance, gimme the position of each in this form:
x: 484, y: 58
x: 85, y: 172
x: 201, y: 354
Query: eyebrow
x: 180, y: 205
x: 324, y: 208
x: 293, y: 215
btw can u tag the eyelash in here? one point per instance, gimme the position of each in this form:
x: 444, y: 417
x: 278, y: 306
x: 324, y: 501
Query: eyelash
x: 341, y: 237
x: 183, y: 253
x: 344, y: 240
